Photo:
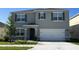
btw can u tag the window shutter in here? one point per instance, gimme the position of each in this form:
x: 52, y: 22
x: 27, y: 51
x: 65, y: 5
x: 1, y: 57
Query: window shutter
x: 15, y: 17
x: 51, y: 16
x: 25, y: 17
x: 44, y: 16
x: 38, y: 15
x: 63, y: 15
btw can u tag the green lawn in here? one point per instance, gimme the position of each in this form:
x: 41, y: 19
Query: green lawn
x: 15, y: 48
x: 5, y: 43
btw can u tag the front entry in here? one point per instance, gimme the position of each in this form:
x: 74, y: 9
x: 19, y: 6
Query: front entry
x: 31, y: 33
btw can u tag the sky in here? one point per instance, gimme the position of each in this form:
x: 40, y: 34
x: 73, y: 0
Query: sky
x: 5, y: 12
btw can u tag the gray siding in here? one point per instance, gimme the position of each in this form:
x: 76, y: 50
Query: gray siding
x: 48, y: 23
x: 30, y: 19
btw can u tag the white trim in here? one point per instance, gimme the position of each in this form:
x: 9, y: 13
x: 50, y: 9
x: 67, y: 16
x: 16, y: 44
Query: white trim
x: 48, y: 10
x: 57, y: 11
x: 41, y: 12
x: 20, y: 14
x: 19, y: 28
x: 58, y: 20
x: 42, y: 19
x: 20, y: 21
x: 19, y: 36
x: 30, y: 26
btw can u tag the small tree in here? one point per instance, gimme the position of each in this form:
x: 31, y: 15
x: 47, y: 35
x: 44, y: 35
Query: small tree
x: 10, y: 28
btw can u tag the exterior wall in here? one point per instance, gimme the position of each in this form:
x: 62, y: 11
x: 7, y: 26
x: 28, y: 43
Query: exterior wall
x: 48, y: 23
x: 30, y: 19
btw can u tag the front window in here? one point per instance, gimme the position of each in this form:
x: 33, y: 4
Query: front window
x: 41, y: 15
x: 21, y: 17
x: 57, y: 16
x: 20, y: 32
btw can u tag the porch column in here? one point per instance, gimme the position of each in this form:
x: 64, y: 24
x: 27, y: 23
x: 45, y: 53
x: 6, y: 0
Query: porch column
x: 37, y: 32
x: 25, y: 37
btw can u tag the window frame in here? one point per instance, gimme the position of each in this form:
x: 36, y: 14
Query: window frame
x: 57, y: 16
x: 19, y: 32
x: 21, y: 16
x: 41, y: 15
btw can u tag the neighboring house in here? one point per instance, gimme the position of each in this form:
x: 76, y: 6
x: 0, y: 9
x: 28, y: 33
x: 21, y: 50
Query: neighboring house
x: 74, y: 26
x: 48, y: 24
x: 2, y: 30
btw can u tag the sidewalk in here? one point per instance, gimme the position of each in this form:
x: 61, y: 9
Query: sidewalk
x: 17, y: 45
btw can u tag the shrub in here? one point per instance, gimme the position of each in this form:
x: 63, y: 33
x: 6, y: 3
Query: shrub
x: 31, y: 42
x: 25, y: 42
x: 2, y: 39
x: 20, y: 42
x: 6, y: 38
x: 73, y: 40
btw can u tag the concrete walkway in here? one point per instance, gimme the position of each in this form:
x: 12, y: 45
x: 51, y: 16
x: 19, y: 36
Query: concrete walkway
x: 17, y: 45
x: 55, y: 46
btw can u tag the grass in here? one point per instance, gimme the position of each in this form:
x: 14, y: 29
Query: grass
x: 6, y: 43
x: 15, y: 48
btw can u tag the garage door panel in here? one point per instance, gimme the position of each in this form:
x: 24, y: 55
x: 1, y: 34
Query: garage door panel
x: 52, y: 34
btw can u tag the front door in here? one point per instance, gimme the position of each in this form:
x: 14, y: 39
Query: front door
x: 31, y: 33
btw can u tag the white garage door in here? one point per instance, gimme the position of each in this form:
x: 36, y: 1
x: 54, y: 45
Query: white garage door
x: 52, y: 34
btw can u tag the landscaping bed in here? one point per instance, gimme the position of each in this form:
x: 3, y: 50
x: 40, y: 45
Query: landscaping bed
x: 28, y: 42
x: 25, y: 42
x: 74, y: 41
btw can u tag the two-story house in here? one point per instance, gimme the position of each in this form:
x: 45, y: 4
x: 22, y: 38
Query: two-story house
x: 45, y: 24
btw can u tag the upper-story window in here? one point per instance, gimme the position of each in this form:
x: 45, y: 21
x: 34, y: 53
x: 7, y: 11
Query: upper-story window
x: 21, y: 17
x: 56, y: 16
x: 41, y: 15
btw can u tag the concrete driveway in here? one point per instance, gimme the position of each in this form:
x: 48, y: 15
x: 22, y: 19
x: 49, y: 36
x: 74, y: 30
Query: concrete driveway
x: 55, y: 46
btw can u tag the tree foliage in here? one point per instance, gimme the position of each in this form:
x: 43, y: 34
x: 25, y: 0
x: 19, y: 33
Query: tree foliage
x: 10, y: 28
